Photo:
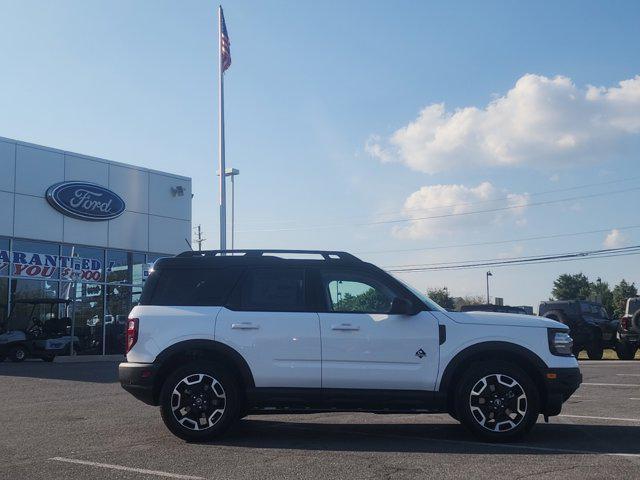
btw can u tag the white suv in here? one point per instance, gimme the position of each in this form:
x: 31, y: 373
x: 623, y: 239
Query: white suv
x: 220, y: 335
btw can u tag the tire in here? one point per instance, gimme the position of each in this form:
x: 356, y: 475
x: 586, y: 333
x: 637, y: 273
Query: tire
x: 2, y: 357
x: 204, y: 391
x: 48, y: 358
x: 625, y: 351
x: 491, y: 395
x: 635, y: 321
x: 18, y: 354
x: 595, y: 350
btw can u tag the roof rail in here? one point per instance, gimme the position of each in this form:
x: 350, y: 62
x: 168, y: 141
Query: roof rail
x: 326, y: 254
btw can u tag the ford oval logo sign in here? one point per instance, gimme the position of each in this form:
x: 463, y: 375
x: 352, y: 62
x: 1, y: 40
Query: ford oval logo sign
x: 85, y: 201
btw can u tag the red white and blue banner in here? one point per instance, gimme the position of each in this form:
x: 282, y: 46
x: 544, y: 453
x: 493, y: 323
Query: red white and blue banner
x: 40, y: 265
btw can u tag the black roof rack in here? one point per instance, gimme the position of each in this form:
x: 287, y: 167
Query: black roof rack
x: 330, y: 255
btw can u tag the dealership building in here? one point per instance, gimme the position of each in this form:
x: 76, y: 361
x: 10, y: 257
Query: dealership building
x: 83, y: 229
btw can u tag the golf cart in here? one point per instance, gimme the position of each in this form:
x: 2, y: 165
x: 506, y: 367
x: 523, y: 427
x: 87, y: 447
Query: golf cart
x: 46, y: 333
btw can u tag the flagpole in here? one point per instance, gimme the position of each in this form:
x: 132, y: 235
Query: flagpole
x: 221, y: 164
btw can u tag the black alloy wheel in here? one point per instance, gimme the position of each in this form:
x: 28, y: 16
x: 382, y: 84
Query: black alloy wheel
x: 199, y: 402
x: 18, y: 354
x: 497, y: 401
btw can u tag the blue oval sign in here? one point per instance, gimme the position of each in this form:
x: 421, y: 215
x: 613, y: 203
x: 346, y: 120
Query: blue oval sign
x: 85, y: 201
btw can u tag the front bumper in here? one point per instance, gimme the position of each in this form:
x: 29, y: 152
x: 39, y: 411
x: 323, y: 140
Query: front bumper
x: 560, y: 384
x: 139, y: 380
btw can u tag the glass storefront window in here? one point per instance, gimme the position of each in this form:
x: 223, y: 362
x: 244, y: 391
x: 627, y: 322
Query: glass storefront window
x: 82, y: 264
x: 4, y: 308
x: 87, y: 311
x: 139, y: 267
x: 115, y: 321
x: 5, y: 256
x: 24, y: 314
x: 118, y: 266
x: 31, y: 259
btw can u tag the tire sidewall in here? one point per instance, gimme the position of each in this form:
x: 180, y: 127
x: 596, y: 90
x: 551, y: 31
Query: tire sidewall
x: 232, y: 406
x: 471, y: 377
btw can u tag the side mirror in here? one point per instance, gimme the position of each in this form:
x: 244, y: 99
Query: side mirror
x: 402, y: 306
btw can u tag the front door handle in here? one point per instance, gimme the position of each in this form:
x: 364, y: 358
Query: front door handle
x: 245, y: 326
x: 345, y: 327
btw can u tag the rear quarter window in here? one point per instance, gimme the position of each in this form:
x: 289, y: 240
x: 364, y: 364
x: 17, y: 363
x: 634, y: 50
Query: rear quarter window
x: 190, y: 287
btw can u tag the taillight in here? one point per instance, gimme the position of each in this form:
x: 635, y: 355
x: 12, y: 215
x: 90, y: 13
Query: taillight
x: 624, y: 323
x: 132, y: 333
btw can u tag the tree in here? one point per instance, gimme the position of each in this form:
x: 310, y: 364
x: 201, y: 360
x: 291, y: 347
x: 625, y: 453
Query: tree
x: 468, y: 300
x: 369, y: 301
x: 571, y: 287
x: 621, y: 292
x: 442, y: 297
x: 601, y: 291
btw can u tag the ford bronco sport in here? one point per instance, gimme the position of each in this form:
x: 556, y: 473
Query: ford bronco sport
x: 220, y: 335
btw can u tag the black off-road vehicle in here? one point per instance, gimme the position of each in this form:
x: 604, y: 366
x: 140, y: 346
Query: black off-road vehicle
x: 590, y: 326
x: 629, y: 330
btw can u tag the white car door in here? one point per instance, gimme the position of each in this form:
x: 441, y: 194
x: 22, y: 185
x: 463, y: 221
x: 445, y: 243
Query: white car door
x: 366, y: 347
x: 269, y: 324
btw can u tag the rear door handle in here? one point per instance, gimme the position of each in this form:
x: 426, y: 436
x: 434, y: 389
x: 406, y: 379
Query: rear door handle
x: 345, y: 327
x: 245, y: 326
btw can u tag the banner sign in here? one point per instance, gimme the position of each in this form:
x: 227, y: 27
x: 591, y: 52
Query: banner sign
x: 40, y: 265
x: 85, y: 201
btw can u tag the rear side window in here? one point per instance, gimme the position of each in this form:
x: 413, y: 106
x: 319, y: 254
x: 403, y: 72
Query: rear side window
x: 190, y: 287
x: 273, y: 289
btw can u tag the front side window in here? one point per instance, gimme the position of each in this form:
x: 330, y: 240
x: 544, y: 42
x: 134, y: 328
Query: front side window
x: 274, y: 289
x: 356, y: 293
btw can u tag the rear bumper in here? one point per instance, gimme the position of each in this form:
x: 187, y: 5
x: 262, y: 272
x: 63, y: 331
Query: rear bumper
x: 629, y: 337
x: 560, y: 384
x: 139, y: 379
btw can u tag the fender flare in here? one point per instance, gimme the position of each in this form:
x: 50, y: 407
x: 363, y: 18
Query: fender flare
x: 221, y: 349
x: 488, y: 347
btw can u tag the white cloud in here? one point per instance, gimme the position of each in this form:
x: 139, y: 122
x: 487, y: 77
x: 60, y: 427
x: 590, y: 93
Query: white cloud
x: 615, y: 239
x: 541, y: 121
x: 442, y: 200
x: 554, y: 178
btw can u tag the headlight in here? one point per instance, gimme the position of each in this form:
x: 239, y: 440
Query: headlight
x: 560, y: 342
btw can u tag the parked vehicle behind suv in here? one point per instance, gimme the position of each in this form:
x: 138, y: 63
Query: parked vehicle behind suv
x: 629, y: 330
x: 220, y: 335
x: 590, y: 326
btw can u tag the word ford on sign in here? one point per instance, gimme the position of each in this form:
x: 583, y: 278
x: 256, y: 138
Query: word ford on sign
x: 85, y: 201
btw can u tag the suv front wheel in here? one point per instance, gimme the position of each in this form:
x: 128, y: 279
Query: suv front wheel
x: 497, y: 401
x: 199, y: 402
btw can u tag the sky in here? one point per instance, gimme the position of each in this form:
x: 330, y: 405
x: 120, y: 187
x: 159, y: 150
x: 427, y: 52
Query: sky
x: 351, y: 121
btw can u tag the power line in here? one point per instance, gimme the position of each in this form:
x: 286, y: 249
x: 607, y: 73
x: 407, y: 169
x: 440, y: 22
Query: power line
x: 479, y: 202
x: 447, y: 215
x: 499, y: 242
x: 528, y: 260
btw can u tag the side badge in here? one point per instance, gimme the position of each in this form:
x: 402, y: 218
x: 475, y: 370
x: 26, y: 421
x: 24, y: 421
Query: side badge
x: 420, y: 353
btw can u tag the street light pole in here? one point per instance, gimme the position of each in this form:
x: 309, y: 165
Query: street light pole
x: 489, y: 274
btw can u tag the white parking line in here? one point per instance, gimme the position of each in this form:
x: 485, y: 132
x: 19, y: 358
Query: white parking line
x: 628, y: 374
x: 612, y: 384
x: 602, y: 418
x: 126, y: 469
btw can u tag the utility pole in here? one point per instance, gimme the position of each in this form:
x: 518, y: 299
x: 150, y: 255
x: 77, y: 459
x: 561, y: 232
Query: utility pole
x: 199, y: 238
x: 489, y: 274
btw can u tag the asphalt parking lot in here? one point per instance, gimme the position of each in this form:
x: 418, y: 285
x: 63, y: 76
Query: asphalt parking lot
x: 62, y: 421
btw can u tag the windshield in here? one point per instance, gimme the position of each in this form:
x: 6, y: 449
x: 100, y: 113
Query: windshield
x: 430, y: 303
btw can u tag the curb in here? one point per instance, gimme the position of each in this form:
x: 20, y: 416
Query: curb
x: 89, y: 358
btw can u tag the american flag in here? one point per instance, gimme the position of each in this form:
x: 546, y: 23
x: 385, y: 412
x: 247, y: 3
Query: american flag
x: 225, y: 44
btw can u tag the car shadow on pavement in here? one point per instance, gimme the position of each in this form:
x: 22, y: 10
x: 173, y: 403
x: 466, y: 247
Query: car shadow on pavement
x: 545, y: 439
x: 97, y: 372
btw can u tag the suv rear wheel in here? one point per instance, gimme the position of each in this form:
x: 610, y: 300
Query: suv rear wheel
x: 595, y: 349
x: 626, y: 351
x: 497, y: 401
x: 199, y: 402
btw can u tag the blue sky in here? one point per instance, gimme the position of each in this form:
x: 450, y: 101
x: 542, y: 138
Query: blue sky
x: 314, y: 87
